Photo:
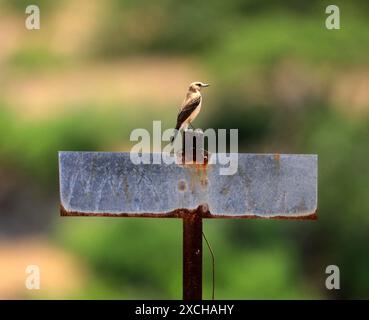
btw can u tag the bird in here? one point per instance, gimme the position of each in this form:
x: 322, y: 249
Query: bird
x: 190, y: 107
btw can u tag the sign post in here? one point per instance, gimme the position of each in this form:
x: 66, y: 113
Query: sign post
x: 269, y: 186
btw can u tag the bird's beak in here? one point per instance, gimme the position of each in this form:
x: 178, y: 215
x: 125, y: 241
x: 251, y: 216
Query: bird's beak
x: 205, y: 85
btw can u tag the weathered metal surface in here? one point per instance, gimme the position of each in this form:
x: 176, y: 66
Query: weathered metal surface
x: 192, y: 257
x: 264, y: 186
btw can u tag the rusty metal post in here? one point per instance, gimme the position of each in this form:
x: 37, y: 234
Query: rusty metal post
x: 192, y: 256
x: 192, y: 225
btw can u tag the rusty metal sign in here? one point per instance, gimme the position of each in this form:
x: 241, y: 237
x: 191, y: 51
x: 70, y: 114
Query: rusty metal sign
x: 263, y: 186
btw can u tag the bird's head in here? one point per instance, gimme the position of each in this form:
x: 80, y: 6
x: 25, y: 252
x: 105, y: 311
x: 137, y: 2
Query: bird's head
x: 196, y: 86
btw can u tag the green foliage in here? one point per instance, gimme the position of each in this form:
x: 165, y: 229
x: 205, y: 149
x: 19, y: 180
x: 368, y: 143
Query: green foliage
x: 237, y: 43
x: 263, y: 41
x: 342, y: 146
x: 252, y: 121
x: 144, y: 254
x: 20, y: 5
x: 32, y: 59
x: 33, y: 146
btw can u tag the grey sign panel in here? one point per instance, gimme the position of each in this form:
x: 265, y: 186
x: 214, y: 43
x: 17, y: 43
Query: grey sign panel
x: 263, y: 185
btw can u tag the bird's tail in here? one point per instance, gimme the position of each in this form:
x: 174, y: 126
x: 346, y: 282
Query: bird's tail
x: 176, y: 130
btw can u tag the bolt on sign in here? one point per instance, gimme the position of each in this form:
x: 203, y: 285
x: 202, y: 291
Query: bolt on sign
x: 269, y: 186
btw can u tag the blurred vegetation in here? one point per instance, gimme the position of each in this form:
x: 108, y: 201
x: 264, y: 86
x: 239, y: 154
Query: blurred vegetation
x: 241, y: 43
x: 20, y: 5
x: 35, y: 59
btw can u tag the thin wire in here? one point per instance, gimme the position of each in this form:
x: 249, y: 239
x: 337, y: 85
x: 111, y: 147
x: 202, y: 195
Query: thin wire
x: 213, y: 264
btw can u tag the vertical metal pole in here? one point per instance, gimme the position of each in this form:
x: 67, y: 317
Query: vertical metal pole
x: 192, y: 257
x: 192, y: 233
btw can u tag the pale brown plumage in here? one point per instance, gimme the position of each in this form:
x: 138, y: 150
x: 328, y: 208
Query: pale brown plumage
x: 190, y: 108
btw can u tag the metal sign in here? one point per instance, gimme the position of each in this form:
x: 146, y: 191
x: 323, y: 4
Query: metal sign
x: 263, y: 186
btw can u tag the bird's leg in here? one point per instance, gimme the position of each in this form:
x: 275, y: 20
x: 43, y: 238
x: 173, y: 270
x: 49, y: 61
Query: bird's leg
x: 190, y: 125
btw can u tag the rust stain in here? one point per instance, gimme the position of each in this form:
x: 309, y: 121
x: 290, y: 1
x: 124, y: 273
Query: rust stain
x: 193, y: 179
x: 126, y: 189
x: 178, y: 213
x: 302, y: 205
x: 202, y: 211
x: 198, y: 169
x: 182, y: 186
x: 277, y: 158
x: 201, y: 170
x: 311, y: 216
x: 192, y: 161
x: 225, y: 190
x: 204, y: 182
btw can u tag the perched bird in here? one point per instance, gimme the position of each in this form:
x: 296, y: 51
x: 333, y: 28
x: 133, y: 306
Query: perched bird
x: 190, y: 108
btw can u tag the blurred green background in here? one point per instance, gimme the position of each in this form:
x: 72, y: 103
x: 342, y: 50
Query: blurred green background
x: 98, y: 69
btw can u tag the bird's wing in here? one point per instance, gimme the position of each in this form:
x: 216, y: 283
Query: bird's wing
x: 187, y: 109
